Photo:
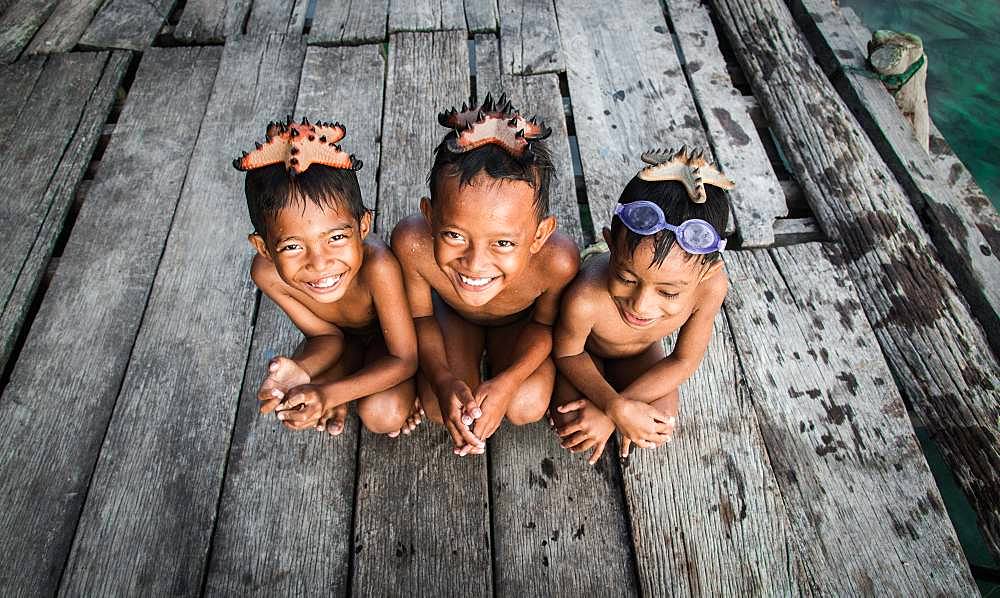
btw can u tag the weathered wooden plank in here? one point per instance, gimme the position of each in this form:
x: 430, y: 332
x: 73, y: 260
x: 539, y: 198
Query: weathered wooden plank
x: 74, y: 357
x: 758, y: 199
x: 937, y: 351
x: 421, y: 514
x: 211, y: 21
x: 481, y: 15
x: 127, y: 24
x: 426, y: 15
x: 559, y: 523
x: 279, y: 16
x: 789, y: 231
x: 19, y: 24
x: 266, y: 460
x: 537, y: 95
x: 19, y: 79
x: 149, y: 514
x: 356, y: 22
x: 865, y: 510
x: 628, y: 91
x: 65, y: 25
x: 529, y: 37
x: 426, y: 75
x: 958, y: 232
x: 707, y: 515
x: 47, y: 158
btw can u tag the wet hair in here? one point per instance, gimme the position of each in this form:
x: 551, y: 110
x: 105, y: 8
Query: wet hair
x: 535, y: 169
x: 271, y: 189
x: 673, y: 199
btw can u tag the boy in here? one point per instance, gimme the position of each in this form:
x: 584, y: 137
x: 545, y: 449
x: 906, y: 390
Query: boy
x: 662, y: 273
x: 484, y: 270
x: 340, y: 287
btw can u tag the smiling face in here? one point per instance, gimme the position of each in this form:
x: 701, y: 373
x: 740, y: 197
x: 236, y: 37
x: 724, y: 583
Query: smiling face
x: 484, y: 232
x: 314, y: 250
x: 647, y: 293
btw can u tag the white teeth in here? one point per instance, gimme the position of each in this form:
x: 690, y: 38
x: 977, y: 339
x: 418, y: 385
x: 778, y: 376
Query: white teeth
x: 475, y: 282
x: 325, y: 283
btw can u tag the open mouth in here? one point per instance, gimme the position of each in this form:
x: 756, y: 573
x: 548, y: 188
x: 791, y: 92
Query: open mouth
x: 634, y: 320
x: 476, y: 284
x: 325, y: 284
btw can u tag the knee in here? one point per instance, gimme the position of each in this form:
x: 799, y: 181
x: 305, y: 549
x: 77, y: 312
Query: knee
x: 428, y: 400
x: 385, y: 412
x: 532, y: 399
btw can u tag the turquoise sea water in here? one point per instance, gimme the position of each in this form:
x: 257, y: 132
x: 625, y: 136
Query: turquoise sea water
x: 962, y: 42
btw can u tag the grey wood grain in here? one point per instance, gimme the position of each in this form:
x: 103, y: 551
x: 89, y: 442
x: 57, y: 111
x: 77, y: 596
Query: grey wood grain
x: 937, y: 351
x: 152, y: 503
x: 74, y: 358
x: 211, y: 21
x: 757, y: 199
x: 865, y: 510
x: 422, y: 514
x: 537, y: 95
x: 707, y: 515
x: 19, y: 24
x: 296, y: 489
x: 559, y: 524
x: 47, y: 159
x: 127, y: 24
x: 628, y: 92
x: 19, y: 80
x: 960, y: 231
x: 426, y: 15
x: 427, y: 74
x: 344, y: 21
x: 64, y: 27
x: 529, y: 37
x: 481, y: 15
x: 280, y: 16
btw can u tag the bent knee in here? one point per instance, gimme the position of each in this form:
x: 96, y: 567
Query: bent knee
x: 532, y: 399
x: 385, y: 412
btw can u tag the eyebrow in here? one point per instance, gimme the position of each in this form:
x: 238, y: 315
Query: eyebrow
x: 344, y: 226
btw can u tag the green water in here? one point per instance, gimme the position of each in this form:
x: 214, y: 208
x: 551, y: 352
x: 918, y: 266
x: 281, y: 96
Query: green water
x: 962, y: 42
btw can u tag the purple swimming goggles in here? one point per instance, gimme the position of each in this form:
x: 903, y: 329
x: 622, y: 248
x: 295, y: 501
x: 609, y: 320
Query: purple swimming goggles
x: 646, y: 218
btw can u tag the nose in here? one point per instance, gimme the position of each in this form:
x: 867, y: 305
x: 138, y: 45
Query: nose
x: 644, y: 300
x: 319, y: 259
x: 476, y: 260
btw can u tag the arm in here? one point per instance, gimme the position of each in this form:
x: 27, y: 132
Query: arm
x: 571, y: 357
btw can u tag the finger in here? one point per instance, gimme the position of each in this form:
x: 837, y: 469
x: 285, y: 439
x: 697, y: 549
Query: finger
x: 335, y: 425
x: 297, y: 415
x: 574, y: 440
x: 574, y: 426
x: 269, y: 405
x: 321, y: 423
x: 456, y: 438
x: 583, y: 446
x: 598, y: 451
x: 470, y: 437
x: 665, y: 426
x: 625, y: 446
x: 470, y: 405
x: 297, y: 398
x: 574, y: 406
x: 393, y: 434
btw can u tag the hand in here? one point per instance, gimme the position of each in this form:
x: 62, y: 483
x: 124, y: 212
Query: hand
x: 283, y: 374
x: 334, y: 420
x: 591, y: 429
x: 458, y: 410
x: 493, y: 396
x: 640, y: 423
x: 302, y: 408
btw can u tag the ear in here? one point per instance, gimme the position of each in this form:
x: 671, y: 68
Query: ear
x: 606, y: 233
x: 712, y: 269
x: 365, y: 226
x: 545, y: 228
x: 426, y: 209
x: 258, y: 243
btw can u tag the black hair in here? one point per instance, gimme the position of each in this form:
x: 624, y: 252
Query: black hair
x: 534, y: 168
x: 672, y: 197
x: 272, y: 188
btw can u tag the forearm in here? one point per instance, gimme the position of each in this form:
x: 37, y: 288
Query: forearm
x: 318, y: 353
x: 535, y: 344
x: 583, y: 374
x: 660, y: 380
x: 433, y: 357
x: 381, y: 374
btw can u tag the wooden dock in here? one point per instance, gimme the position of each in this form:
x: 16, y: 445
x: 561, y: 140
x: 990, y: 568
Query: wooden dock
x: 863, y: 299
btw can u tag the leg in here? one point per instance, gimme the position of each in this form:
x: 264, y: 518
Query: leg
x: 463, y: 344
x: 350, y: 361
x: 532, y: 399
x: 622, y: 372
x: 285, y: 373
x: 565, y: 393
x: 386, y: 412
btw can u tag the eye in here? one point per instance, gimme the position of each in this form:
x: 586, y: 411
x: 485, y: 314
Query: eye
x: 670, y: 295
x: 338, y: 237
x: 290, y: 247
x: 505, y: 244
x: 624, y: 280
x: 451, y: 235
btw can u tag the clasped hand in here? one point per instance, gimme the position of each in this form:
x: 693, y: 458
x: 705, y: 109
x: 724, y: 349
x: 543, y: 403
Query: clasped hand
x: 472, y: 417
x: 640, y: 423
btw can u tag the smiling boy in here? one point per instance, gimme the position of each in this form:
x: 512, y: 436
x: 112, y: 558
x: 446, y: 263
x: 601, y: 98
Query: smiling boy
x: 340, y: 286
x: 662, y: 273
x: 484, y: 271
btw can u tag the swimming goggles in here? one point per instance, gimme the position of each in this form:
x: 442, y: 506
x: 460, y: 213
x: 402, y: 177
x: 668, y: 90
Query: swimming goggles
x: 646, y: 218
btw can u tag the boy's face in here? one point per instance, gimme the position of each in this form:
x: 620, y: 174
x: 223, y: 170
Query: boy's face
x: 315, y: 250
x: 646, y: 293
x: 484, y: 234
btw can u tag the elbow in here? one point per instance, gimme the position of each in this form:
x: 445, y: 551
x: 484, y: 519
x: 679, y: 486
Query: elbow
x: 409, y: 366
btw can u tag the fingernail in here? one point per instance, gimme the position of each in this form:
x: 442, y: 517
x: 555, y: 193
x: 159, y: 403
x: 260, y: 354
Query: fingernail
x: 477, y: 413
x: 281, y: 415
x: 466, y: 420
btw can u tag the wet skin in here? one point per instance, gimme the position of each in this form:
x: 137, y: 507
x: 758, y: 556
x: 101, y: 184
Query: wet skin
x: 337, y: 285
x: 608, y: 343
x: 497, y: 271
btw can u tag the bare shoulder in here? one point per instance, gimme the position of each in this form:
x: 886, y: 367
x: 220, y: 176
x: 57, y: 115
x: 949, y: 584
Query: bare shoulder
x: 411, y: 233
x: 379, y: 259
x: 264, y: 275
x: 559, y: 259
x: 583, y: 296
x: 714, y: 287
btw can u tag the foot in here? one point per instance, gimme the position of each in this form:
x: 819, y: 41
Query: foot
x: 335, y: 421
x: 412, y: 420
x: 283, y: 374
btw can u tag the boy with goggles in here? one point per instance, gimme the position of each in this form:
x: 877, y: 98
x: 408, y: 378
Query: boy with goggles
x: 661, y: 274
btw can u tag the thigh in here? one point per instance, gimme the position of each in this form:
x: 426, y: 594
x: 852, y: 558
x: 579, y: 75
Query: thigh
x: 385, y: 411
x: 535, y: 393
x: 622, y: 372
x: 463, y: 342
x: 350, y: 360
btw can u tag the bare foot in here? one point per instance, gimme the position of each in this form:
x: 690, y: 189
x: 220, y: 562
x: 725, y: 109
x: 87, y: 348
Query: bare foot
x: 283, y: 374
x: 335, y: 420
x: 413, y: 420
